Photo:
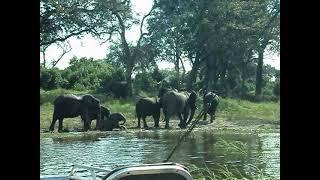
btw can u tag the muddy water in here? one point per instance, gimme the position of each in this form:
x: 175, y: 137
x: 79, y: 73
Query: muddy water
x: 245, y: 152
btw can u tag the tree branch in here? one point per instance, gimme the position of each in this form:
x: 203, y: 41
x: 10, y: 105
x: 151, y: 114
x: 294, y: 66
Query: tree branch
x: 65, y: 38
x: 64, y: 51
x: 141, y: 25
x: 122, y: 32
x: 184, y: 69
x: 43, y: 50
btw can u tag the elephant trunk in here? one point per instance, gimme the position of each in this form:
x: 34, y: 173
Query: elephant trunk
x: 192, y: 103
x: 207, y: 106
x: 193, y: 110
x: 124, y: 121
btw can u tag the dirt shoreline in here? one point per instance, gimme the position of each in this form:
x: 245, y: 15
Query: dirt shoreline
x: 219, y: 126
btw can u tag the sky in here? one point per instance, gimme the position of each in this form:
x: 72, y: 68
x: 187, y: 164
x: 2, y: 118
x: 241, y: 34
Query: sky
x: 89, y: 47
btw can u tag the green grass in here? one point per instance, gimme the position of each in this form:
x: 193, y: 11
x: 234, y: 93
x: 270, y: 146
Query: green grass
x: 242, y: 109
x: 239, y: 112
x: 223, y: 172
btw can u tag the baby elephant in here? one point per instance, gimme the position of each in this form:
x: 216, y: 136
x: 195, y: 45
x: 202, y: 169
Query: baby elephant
x: 105, y: 113
x: 148, y: 107
x: 112, y: 122
x: 210, y: 103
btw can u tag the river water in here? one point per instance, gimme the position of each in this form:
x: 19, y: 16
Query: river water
x: 245, y: 152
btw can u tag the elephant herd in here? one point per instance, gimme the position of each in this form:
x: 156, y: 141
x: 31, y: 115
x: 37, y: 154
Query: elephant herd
x: 88, y: 108
x: 172, y: 102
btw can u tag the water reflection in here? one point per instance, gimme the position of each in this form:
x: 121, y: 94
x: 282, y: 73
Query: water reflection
x: 241, y: 151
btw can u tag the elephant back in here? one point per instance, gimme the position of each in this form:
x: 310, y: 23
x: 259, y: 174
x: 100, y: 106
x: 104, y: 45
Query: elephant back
x: 174, y: 102
x: 210, y: 97
x: 148, y: 104
x: 66, y: 99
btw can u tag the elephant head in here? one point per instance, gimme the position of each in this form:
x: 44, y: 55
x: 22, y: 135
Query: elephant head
x: 210, y: 103
x: 113, y: 122
x: 105, y: 113
x: 91, y: 105
x: 208, y: 100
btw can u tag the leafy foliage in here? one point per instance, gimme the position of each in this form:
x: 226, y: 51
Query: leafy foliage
x: 224, y: 41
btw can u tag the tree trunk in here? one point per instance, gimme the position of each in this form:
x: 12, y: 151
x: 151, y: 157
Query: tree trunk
x: 259, y: 79
x: 243, y: 79
x: 177, y: 59
x: 209, y: 75
x: 223, y: 79
x: 193, y: 73
x: 129, y: 70
x: 211, y: 72
x: 44, y: 59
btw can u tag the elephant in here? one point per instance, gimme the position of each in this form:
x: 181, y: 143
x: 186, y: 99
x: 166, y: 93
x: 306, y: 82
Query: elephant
x: 105, y: 113
x: 112, y: 122
x: 210, y: 104
x: 119, y: 89
x: 148, y: 107
x: 70, y: 106
x: 177, y: 103
x: 164, y: 90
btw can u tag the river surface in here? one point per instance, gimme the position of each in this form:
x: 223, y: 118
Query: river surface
x: 246, y: 152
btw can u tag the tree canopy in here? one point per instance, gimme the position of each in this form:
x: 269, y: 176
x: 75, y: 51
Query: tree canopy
x: 224, y: 41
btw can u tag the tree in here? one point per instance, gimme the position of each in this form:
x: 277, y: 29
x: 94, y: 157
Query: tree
x: 268, y: 35
x: 129, y: 54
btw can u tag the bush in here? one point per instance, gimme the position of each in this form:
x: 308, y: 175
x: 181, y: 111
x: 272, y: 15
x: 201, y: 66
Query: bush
x: 89, y: 74
x: 144, y: 82
x: 276, y: 89
x: 50, y: 78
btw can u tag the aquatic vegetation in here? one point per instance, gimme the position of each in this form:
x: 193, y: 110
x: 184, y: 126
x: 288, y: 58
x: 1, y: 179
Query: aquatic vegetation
x: 231, y: 147
x: 223, y: 172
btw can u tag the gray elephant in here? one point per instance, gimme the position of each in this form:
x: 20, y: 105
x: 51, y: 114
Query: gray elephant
x: 148, y: 107
x: 178, y: 103
x: 210, y: 104
x: 105, y: 113
x: 112, y: 122
x: 70, y: 106
x: 119, y: 89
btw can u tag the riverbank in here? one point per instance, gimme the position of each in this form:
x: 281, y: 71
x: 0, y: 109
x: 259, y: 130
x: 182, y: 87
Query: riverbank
x: 232, y: 115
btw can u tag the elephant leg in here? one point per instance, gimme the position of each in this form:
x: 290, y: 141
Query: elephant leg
x: 213, y: 114
x: 89, y: 124
x: 166, y: 118
x: 181, y: 120
x: 144, y: 122
x: 60, y: 125
x: 86, y: 126
x: 213, y: 117
x: 51, y: 128
x: 156, y: 121
x: 98, y: 126
x: 139, y: 122
x: 205, y: 116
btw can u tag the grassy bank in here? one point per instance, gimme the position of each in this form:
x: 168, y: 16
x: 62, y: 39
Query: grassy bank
x: 230, y: 111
